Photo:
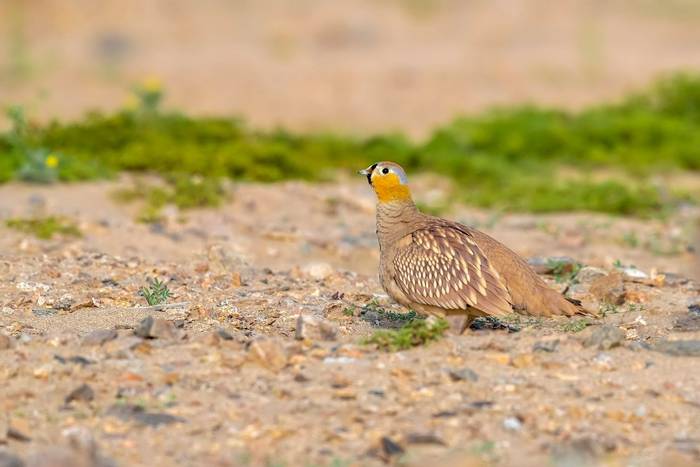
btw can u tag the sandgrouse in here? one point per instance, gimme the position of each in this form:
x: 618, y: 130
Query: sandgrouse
x: 445, y: 269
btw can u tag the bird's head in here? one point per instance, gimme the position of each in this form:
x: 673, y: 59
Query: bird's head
x: 389, y: 181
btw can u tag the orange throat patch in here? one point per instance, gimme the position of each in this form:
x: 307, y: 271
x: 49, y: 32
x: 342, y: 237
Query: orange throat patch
x: 389, y: 188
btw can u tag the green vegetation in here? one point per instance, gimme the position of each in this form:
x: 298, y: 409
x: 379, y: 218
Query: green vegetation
x: 576, y: 325
x: 603, y: 158
x: 45, y: 228
x: 564, y: 271
x: 156, y: 293
x: 413, y: 334
x: 183, y: 191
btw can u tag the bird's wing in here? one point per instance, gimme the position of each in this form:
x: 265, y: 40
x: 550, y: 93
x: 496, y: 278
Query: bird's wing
x: 443, y: 266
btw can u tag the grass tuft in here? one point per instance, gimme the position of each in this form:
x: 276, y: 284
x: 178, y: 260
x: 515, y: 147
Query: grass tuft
x: 45, y: 228
x: 413, y: 334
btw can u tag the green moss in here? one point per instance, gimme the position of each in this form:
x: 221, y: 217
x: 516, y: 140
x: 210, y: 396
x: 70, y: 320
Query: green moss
x: 45, y: 228
x: 415, y: 333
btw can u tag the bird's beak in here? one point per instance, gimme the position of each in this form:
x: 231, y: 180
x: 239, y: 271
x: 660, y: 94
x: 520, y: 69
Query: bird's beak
x: 368, y: 172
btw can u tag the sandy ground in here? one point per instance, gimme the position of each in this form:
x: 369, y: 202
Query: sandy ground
x: 233, y: 376
x: 352, y: 65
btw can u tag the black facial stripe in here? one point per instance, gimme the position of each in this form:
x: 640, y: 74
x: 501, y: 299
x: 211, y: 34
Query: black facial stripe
x: 369, y: 174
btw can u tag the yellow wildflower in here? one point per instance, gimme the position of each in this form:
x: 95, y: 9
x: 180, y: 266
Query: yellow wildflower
x: 152, y: 84
x: 51, y: 161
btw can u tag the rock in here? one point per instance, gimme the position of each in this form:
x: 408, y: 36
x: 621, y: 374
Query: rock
x: 694, y: 309
x: 318, y: 271
x: 546, y: 346
x: 143, y: 329
x: 7, y: 459
x: 605, y: 337
x: 64, y: 303
x: 609, y: 289
x: 512, y: 424
x: 160, y: 328
x: 311, y: 328
x: 390, y: 447
x: 464, y: 374
x: 300, y: 332
x: 328, y: 331
x: 136, y: 413
x: 424, y: 438
x: 630, y: 272
x: 268, y: 354
x: 82, y: 393
x: 224, y: 334
x: 687, y: 348
x: 588, y: 274
x: 163, y: 329
x: 688, y: 323
x: 338, y: 381
x: 99, y: 337
x: 546, y: 265
x: 674, y: 280
x: 5, y: 342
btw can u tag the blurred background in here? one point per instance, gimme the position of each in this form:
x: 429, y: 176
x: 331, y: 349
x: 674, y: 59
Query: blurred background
x: 362, y: 66
x: 525, y: 106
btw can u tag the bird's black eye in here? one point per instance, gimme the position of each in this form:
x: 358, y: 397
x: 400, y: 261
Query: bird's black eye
x: 385, y: 171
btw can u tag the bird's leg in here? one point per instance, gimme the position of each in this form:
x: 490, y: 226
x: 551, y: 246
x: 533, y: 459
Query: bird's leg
x: 459, y: 322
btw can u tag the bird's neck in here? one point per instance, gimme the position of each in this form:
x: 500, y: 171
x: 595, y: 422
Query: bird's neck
x: 395, y: 219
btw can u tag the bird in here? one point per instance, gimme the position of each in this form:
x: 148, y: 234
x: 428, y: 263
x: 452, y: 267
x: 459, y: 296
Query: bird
x: 445, y: 269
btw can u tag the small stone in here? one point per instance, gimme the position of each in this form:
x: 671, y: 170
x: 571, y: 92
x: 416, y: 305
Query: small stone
x: 268, y: 354
x: 144, y: 327
x: 524, y: 360
x: 688, y: 323
x: 82, y: 393
x: 328, y: 331
x: 424, y: 438
x: 604, y: 361
x: 464, y: 374
x: 136, y: 413
x: 631, y: 272
x: 588, y: 274
x: 605, y: 337
x: 674, y: 280
x: 339, y: 381
x: 5, y: 342
x: 318, y: 271
x: 300, y: 329
x: 694, y: 309
x: 512, y: 424
x: 687, y: 348
x: 345, y: 394
x: 7, y: 459
x: 224, y: 334
x: 390, y: 447
x: 7, y: 311
x: 99, y: 337
x: 64, y: 303
x: 546, y: 346
x: 609, y: 289
x: 163, y: 329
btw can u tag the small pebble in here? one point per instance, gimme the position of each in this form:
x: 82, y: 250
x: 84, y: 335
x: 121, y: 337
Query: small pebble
x: 512, y: 424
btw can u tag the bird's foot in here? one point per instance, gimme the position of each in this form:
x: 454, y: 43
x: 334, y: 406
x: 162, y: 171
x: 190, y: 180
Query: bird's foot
x: 491, y: 323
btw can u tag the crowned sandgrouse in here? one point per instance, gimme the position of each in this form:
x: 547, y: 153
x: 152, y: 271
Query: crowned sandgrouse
x: 442, y: 268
